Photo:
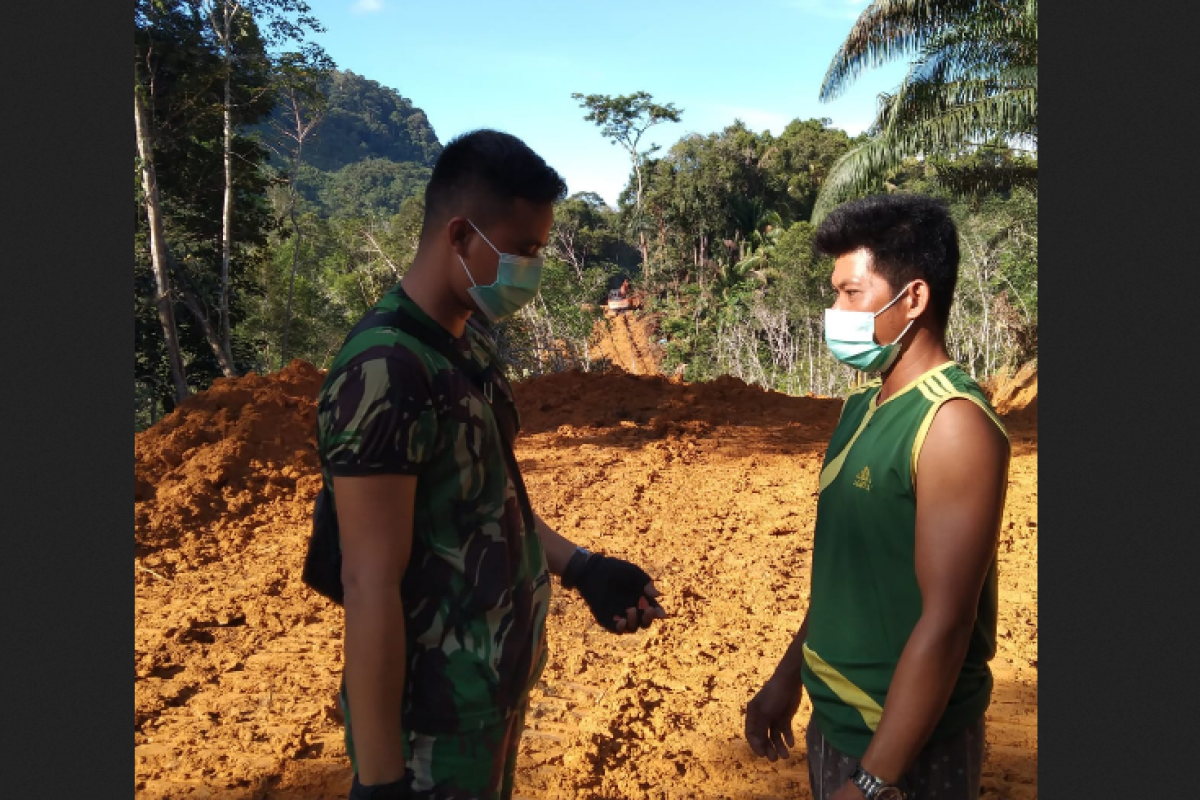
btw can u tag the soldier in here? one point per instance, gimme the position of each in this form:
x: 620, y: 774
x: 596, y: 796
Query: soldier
x: 445, y: 569
x: 901, y: 623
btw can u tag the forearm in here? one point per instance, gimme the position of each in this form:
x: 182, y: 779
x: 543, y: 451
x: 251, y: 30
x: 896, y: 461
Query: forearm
x: 375, y: 667
x: 792, y: 661
x: 558, y: 548
x: 920, y: 689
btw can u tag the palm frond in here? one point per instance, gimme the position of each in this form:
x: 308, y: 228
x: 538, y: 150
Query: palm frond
x: 974, y: 180
x: 891, y: 29
x: 859, y: 172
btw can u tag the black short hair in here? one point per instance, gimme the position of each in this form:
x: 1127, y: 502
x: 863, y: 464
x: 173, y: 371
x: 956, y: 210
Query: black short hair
x: 479, y: 173
x: 909, y: 236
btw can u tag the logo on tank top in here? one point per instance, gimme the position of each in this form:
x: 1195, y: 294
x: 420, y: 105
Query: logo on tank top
x: 863, y: 479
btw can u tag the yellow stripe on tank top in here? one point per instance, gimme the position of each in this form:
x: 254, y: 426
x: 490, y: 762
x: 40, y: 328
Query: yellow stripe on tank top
x: 834, y: 467
x: 929, y: 392
x: 945, y: 383
x: 846, y: 691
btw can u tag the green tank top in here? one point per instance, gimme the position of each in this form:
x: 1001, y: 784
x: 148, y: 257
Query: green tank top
x: 865, y: 599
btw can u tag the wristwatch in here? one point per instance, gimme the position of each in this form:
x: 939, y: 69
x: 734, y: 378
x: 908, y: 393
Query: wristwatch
x: 873, y: 788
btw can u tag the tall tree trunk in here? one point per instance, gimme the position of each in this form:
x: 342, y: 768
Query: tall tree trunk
x: 210, y: 333
x: 637, y: 169
x: 287, y: 317
x: 227, y: 226
x: 158, y: 246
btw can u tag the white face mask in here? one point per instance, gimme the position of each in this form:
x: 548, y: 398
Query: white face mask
x: 850, y: 336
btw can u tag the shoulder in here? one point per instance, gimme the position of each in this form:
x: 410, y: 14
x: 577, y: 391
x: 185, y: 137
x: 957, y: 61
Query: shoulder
x: 397, y: 374
x: 965, y: 433
x: 959, y: 424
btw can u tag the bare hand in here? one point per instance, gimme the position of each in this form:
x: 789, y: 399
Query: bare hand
x: 769, y: 718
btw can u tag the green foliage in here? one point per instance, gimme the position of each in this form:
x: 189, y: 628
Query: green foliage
x: 722, y: 223
x: 372, y: 187
x: 972, y: 82
x: 182, y: 75
x: 366, y: 120
x: 587, y: 231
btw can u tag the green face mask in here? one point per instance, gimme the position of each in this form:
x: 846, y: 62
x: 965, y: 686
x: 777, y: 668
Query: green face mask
x: 850, y: 336
x: 517, y: 281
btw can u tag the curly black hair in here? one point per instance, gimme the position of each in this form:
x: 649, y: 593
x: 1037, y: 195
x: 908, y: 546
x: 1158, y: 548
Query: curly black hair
x: 909, y: 236
x: 479, y: 173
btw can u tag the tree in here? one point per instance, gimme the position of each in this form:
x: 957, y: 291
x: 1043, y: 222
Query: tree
x: 625, y: 119
x: 143, y: 127
x: 973, y: 80
x: 181, y: 86
x: 584, y: 231
x: 298, y: 78
x: 234, y: 25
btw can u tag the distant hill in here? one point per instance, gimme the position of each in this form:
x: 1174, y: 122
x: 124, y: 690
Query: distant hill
x: 371, y: 151
x: 368, y: 120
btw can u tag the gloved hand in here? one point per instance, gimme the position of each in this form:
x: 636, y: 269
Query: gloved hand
x: 396, y: 790
x: 611, y: 587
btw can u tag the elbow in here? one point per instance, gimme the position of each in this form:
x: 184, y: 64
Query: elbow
x: 368, y: 585
x: 952, y: 631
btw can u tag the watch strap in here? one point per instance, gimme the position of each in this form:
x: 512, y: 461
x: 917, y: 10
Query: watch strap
x: 873, y: 787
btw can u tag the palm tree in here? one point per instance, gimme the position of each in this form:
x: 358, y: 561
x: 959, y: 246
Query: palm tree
x: 972, y: 81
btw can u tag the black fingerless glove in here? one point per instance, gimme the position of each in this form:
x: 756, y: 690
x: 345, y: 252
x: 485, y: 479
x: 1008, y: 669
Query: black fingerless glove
x: 396, y: 790
x: 608, y: 585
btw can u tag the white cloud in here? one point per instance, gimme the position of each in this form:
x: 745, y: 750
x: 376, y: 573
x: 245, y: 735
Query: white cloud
x: 367, y: 6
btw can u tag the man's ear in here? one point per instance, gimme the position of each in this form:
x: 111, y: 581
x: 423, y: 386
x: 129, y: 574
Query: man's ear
x: 918, y: 299
x: 458, y: 232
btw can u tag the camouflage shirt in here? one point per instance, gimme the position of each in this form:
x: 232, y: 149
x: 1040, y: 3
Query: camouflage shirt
x: 477, y: 587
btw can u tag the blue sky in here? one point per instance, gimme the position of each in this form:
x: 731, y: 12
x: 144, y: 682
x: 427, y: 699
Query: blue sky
x: 513, y: 66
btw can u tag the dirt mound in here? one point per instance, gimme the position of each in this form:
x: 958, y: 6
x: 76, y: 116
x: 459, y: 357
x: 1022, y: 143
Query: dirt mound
x: 1014, y: 391
x: 220, y: 456
x: 711, y: 487
x: 641, y: 407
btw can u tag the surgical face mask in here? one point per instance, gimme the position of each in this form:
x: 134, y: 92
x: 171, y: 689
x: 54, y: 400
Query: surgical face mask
x: 850, y: 336
x: 517, y: 280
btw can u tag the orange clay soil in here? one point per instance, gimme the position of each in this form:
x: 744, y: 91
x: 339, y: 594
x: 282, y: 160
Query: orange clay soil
x: 629, y: 341
x: 710, y: 487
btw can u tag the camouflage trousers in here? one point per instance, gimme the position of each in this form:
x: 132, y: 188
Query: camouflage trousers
x: 472, y: 765
x: 946, y: 770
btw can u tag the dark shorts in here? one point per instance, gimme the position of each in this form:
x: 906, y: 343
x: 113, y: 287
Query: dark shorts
x: 947, y: 770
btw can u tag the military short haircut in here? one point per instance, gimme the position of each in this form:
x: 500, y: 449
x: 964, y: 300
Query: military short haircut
x: 480, y: 173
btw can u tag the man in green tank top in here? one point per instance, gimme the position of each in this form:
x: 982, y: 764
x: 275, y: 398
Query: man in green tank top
x: 901, y: 621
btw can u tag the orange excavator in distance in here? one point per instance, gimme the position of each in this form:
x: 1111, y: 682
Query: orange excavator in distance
x: 622, y: 299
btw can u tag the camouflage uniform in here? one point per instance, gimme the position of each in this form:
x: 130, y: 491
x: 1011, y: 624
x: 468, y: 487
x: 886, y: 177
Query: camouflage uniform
x: 477, y: 587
